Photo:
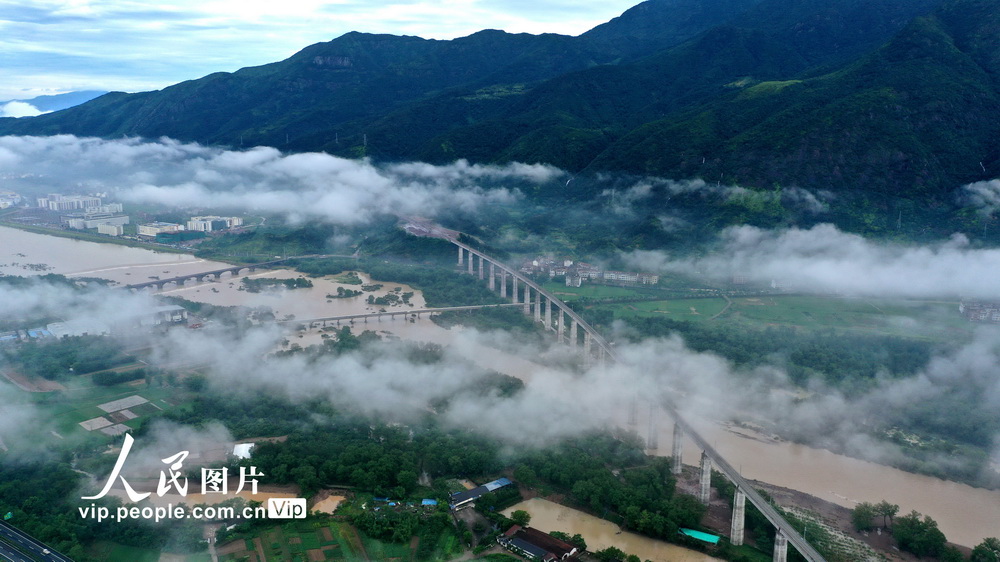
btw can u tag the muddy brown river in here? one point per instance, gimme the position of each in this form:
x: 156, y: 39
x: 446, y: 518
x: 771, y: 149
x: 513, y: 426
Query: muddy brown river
x: 966, y: 515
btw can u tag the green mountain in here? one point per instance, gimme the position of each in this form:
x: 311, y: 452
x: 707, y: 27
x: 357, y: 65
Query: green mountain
x: 895, y: 98
x: 916, y: 118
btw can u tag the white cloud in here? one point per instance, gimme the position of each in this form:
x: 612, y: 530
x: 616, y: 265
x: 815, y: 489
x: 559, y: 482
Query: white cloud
x: 19, y: 109
x: 306, y: 185
x: 824, y: 259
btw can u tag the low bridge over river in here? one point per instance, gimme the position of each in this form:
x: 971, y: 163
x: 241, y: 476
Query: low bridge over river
x: 534, y: 299
x: 216, y: 274
x: 387, y: 314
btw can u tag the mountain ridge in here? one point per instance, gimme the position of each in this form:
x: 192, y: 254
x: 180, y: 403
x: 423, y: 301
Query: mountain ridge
x: 746, y: 85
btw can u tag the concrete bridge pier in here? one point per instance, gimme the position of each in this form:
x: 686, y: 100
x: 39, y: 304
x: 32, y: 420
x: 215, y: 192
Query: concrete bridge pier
x: 780, y: 547
x: 493, y: 277
x: 481, y: 272
x: 678, y: 453
x: 548, y: 313
x: 706, y: 478
x: 562, y: 324
x: 527, y: 299
x: 472, y: 258
x: 503, y: 283
x: 586, y: 346
x: 513, y: 292
x: 572, y: 334
x: 538, y: 307
x: 739, y: 512
x: 652, y: 435
x: 461, y: 258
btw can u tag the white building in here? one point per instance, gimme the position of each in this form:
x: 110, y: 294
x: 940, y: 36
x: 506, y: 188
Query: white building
x: 9, y: 199
x: 213, y: 223
x: 154, y: 228
x: 111, y: 229
x: 57, y: 202
x: 96, y: 221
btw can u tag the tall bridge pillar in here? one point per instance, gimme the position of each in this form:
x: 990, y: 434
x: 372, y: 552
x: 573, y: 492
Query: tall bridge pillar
x: 472, y: 259
x: 480, y: 268
x: 706, y: 478
x: 527, y: 299
x: 562, y: 324
x: 739, y: 512
x: 780, y: 547
x: 586, y: 346
x: 652, y: 435
x: 538, y: 306
x: 678, y: 453
x: 461, y: 259
x: 503, y: 283
x: 493, y: 277
x: 572, y: 333
x: 513, y: 291
x: 548, y: 313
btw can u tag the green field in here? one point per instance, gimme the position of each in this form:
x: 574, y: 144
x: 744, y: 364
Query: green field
x: 570, y: 294
x: 675, y: 309
x: 925, y: 319
x: 331, y: 539
x: 936, y: 320
x: 67, y: 408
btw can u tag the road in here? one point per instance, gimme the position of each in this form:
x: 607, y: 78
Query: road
x: 34, y: 549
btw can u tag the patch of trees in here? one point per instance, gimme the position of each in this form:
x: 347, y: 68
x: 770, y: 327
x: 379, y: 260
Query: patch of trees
x: 508, y: 318
x: 111, y: 378
x: 258, y: 284
x: 384, y: 460
x: 843, y: 359
x: 59, y: 359
x: 986, y: 551
x: 919, y: 535
x: 615, y: 479
x: 441, y: 286
x: 864, y: 515
x: 499, y: 500
x: 343, y: 293
x: 43, y: 498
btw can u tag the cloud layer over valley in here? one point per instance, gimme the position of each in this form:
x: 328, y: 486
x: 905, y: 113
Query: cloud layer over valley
x: 262, y: 179
x: 824, y: 259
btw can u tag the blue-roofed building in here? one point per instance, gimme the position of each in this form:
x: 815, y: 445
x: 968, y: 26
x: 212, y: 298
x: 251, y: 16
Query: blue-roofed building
x: 428, y: 502
x: 459, y: 499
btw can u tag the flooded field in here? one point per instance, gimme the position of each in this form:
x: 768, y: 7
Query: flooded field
x: 599, y: 534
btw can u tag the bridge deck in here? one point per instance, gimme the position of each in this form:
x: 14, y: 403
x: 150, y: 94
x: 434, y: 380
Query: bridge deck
x: 772, y: 515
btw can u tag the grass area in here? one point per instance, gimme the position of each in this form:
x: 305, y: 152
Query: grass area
x: 347, y: 278
x: 570, y: 294
x: 292, y: 541
x: 675, y: 309
x: 378, y: 550
x: 926, y: 319
x: 113, y: 552
x: 66, y: 409
x: 933, y: 320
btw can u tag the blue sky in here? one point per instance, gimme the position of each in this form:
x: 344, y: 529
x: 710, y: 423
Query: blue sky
x: 54, y: 46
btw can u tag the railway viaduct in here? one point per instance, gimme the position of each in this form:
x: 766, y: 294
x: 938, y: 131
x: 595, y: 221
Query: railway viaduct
x: 535, y: 299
